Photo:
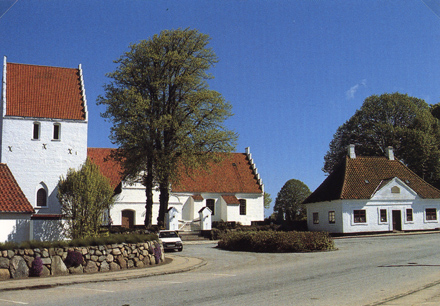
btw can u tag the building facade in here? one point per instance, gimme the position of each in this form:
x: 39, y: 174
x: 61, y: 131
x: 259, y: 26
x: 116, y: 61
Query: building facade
x: 373, y: 194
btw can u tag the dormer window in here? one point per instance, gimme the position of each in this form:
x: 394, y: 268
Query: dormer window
x: 56, y: 131
x: 36, y: 131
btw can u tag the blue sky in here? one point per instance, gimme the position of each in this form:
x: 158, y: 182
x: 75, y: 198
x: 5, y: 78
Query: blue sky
x: 293, y: 70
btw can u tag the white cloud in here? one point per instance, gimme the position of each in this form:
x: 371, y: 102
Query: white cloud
x: 349, y: 94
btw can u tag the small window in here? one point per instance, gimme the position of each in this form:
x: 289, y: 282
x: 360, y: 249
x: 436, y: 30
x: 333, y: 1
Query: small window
x: 41, y: 197
x: 383, y: 215
x: 242, y: 207
x: 359, y: 216
x: 56, y: 131
x: 331, y: 217
x: 36, y: 131
x: 431, y: 214
x: 210, y: 203
x: 409, y: 214
x: 315, y: 218
x: 395, y: 189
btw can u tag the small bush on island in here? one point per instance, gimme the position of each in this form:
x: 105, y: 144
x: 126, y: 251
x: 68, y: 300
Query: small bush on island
x: 277, y: 242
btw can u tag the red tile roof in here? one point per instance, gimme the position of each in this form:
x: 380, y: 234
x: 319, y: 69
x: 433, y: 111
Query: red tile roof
x: 359, y: 178
x: 44, y: 92
x: 12, y: 198
x: 109, y: 167
x: 230, y: 199
x: 232, y: 175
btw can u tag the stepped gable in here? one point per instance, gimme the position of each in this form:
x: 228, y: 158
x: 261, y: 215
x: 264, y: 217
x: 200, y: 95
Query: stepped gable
x: 108, y: 166
x: 12, y: 198
x: 360, y: 177
x: 44, y: 92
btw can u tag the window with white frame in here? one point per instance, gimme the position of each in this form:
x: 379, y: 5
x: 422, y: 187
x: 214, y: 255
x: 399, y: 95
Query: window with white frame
x: 359, y: 216
x: 36, y: 131
x: 210, y: 203
x: 383, y: 215
x: 56, y: 131
x: 331, y: 217
x: 315, y: 218
x: 409, y: 215
x: 242, y: 207
x: 41, y: 197
x: 431, y: 214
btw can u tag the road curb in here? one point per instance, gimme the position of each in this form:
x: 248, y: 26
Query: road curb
x: 173, y: 264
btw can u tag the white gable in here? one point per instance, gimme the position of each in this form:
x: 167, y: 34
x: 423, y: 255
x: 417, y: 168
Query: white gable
x: 394, y: 189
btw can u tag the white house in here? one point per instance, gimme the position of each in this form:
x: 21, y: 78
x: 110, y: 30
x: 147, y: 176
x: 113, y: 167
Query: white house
x: 43, y: 127
x: 231, y: 189
x: 373, y: 194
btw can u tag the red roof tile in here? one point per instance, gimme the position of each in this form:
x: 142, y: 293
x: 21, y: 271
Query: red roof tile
x: 232, y: 175
x: 43, y: 92
x: 360, y: 177
x: 108, y: 166
x: 12, y: 198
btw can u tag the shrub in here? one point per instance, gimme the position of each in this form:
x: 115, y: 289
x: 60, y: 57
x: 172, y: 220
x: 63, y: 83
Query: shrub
x: 157, y: 252
x: 276, y: 242
x: 74, y: 259
x: 37, y: 267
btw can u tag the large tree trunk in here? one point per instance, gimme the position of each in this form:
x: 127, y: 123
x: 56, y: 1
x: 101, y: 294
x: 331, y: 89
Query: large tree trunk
x: 163, y: 200
x: 148, y: 182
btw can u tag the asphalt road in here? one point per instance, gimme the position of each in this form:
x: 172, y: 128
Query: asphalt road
x: 362, y: 271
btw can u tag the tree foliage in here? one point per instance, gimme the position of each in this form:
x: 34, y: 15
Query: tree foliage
x: 163, y: 111
x: 396, y: 120
x: 267, y: 200
x: 84, y: 195
x: 288, y: 204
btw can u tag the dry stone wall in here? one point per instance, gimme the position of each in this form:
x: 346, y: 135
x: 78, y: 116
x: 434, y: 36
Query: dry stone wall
x: 17, y: 263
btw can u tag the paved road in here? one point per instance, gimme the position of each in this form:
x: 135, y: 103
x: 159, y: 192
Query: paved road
x: 363, y: 271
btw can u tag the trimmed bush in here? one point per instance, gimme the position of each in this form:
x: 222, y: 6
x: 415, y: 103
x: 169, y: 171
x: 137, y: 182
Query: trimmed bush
x: 276, y: 242
x: 73, y: 259
x: 37, y: 267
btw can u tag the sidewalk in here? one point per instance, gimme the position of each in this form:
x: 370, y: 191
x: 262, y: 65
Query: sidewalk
x: 172, y: 264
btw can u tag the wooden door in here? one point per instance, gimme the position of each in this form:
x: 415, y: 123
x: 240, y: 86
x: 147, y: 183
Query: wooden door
x: 397, y: 220
x: 127, y: 218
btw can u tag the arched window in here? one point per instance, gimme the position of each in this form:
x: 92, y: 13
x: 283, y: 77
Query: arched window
x: 41, y: 197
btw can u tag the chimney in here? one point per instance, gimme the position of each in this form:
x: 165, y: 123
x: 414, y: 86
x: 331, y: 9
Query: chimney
x: 390, y: 153
x: 351, y: 152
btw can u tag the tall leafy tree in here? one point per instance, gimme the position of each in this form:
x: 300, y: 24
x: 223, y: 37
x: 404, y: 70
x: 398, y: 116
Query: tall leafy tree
x: 398, y: 120
x: 288, y: 204
x: 85, y: 195
x: 267, y: 200
x: 164, y: 113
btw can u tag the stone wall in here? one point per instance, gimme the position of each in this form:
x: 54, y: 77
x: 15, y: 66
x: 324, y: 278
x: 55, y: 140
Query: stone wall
x: 17, y: 263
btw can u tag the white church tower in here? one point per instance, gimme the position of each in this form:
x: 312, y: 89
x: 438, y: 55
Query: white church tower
x: 43, y: 127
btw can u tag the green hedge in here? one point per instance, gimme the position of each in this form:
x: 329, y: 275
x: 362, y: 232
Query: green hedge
x: 112, y: 239
x: 277, y: 242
